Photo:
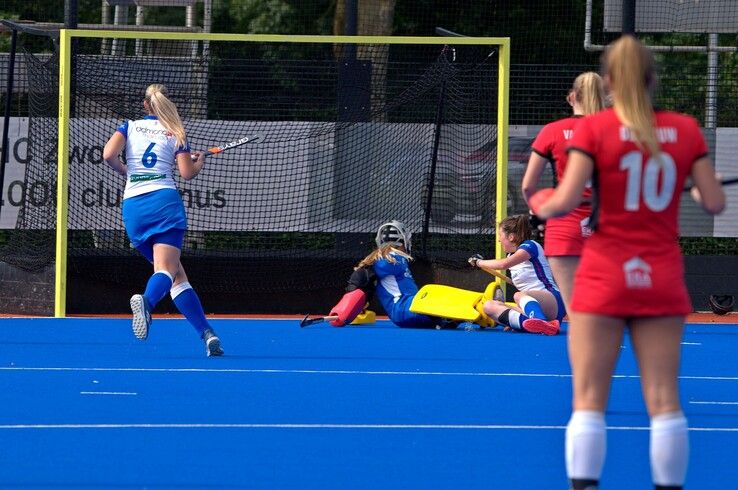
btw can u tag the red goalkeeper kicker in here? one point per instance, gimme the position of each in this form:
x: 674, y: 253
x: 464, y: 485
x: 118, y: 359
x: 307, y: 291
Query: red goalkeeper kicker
x: 351, y: 304
x: 348, y: 308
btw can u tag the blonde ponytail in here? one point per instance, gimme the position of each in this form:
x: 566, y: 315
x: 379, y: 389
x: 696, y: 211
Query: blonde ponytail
x: 383, y: 252
x: 589, y: 91
x: 630, y: 67
x: 166, y: 111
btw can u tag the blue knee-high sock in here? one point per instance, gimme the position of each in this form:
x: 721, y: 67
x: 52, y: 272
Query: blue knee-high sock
x: 188, y: 303
x: 532, y: 308
x: 159, y: 283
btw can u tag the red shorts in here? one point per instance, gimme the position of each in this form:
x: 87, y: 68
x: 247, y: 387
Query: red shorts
x: 566, y: 235
x: 621, y: 282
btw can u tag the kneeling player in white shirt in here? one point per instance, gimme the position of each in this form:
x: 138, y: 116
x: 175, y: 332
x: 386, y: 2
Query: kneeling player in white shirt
x: 540, y: 306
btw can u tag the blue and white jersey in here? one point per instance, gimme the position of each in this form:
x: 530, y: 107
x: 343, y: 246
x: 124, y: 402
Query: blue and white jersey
x: 533, y: 274
x: 151, y: 153
x: 396, y: 289
x: 395, y: 280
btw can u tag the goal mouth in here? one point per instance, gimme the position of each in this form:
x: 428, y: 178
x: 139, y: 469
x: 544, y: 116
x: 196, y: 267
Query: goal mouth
x: 312, y: 146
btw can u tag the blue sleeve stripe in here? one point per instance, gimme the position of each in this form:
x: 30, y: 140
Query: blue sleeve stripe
x: 533, y: 249
x: 183, y: 148
x: 123, y: 129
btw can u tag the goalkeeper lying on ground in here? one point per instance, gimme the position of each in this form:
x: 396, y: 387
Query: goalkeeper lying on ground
x: 386, y: 270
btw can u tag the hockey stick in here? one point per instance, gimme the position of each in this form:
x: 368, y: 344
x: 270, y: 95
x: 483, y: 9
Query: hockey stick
x: 310, y: 321
x: 232, y: 144
x: 500, y: 275
x: 731, y: 181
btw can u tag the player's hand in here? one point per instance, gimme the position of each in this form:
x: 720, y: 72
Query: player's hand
x: 695, y: 192
x: 536, y: 200
x: 198, y: 156
x: 474, y: 260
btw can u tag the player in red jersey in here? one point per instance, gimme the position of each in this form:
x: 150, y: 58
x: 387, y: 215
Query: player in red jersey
x: 631, y: 270
x: 565, y: 235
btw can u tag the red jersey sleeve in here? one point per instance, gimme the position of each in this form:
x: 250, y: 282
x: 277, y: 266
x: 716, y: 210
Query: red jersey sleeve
x: 700, y: 150
x: 584, y: 138
x: 544, y: 142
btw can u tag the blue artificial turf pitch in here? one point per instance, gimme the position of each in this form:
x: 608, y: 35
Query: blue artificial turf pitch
x: 86, y: 405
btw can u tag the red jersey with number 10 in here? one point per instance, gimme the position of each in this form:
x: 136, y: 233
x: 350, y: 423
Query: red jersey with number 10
x: 632, y: 264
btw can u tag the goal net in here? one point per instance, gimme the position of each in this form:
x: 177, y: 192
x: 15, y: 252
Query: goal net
x: 346, y: 136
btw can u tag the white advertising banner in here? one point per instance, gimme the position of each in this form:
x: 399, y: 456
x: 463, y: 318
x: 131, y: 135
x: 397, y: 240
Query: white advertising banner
x: 14, y: 188
x: 726, y: 164
x: 308, y: 191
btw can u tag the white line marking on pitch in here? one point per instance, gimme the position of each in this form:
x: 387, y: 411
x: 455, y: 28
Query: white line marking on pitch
x: 714, y: 403
x: 334, y: 426
x: 123, y: 393
x: 338, y: 371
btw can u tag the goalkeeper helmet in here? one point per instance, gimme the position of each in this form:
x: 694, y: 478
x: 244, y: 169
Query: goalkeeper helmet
x: 393, y: 232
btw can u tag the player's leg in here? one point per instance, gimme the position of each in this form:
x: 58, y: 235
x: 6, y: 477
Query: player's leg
x: 657, y: 344
x: 166, y: 267
x: 538, y: 304
x: 563, y: 268
x: 165, y: 259
x: 541, y: 309
x: 594, y: 345
x: 511, y: 318
x: 155, y: 223
x: 188, y: 303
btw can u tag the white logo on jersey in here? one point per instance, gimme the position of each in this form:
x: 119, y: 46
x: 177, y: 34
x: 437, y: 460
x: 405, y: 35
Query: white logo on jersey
x: 584, y: 226
x: 637, y: 274
x: 568, y: 133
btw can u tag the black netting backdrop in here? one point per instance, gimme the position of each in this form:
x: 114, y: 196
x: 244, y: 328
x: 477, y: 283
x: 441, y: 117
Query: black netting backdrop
x: 344, y: 144
x: 30, y: 246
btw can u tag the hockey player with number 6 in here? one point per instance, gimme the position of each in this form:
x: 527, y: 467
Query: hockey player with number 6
x: 153, y: 212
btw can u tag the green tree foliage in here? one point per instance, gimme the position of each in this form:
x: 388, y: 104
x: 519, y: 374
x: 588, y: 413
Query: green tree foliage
x: 5, y: 39
x: 273, y: 16
x: 88, y: 11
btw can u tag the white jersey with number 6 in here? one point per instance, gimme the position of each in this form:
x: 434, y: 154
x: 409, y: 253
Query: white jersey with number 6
x: 151, y: 153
